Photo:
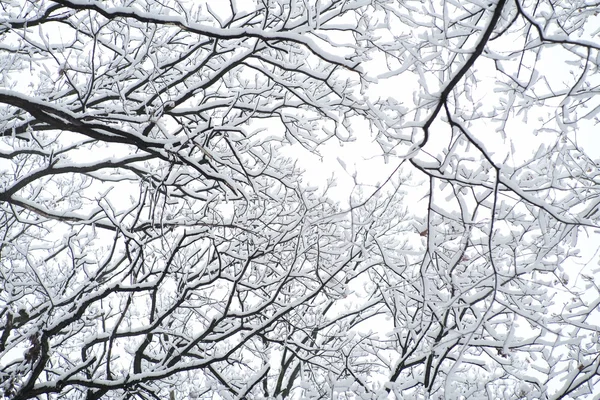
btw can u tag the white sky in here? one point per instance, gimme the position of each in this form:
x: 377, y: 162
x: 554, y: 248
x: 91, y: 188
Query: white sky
x: 360, y: 161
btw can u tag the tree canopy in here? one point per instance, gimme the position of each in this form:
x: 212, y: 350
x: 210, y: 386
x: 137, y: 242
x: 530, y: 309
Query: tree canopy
x: 161, y: 239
